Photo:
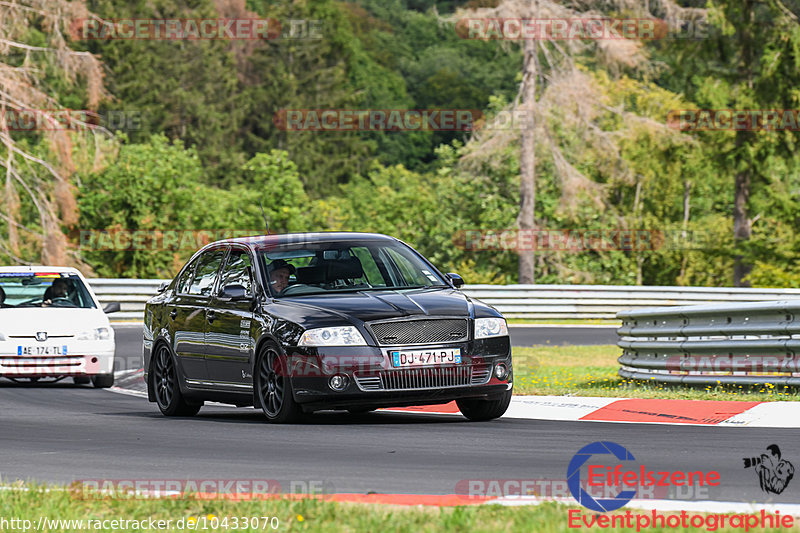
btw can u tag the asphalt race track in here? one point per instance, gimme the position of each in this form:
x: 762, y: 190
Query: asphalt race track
x: 62, y: 433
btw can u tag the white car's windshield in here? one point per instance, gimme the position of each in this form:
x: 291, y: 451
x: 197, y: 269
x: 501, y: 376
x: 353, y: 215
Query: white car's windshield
x: 43, y: 289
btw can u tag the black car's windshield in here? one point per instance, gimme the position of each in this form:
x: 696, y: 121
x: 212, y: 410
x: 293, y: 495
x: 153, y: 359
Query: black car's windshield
x: 43, y: 289
x: 322, y: 268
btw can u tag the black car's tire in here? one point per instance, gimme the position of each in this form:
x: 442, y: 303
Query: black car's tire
x: 164, y: 383
x: 479, y: 410
x: 273, y: 386
x: 102, y: 381
x: 81, y: 380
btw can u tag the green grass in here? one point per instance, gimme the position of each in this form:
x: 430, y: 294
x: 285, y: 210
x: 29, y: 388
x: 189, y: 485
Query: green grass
x: 306, y: 515
x: 592, y: 371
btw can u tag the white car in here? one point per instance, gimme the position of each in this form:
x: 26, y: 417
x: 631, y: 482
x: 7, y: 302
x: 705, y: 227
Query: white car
x: 52, y: 326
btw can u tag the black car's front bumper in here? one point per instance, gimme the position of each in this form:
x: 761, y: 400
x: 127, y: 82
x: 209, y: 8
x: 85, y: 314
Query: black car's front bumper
x: 372, y: 381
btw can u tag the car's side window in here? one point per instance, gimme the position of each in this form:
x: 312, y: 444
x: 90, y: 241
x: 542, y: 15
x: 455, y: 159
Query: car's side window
x: 407, y: 270
x: 206, y: 273
x: 238, y: 271
x: 186, y: 278
x: 371, y: 270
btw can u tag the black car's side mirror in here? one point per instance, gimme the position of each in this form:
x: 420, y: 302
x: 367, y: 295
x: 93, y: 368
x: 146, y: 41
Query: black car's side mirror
x: 234, y: 292
x: 163, y: 286
x: 455, y: 279
x: 112, y: 307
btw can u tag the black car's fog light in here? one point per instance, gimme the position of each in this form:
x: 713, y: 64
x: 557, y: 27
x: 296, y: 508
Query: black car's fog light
x: 500, y: 371
x: 338, y: 382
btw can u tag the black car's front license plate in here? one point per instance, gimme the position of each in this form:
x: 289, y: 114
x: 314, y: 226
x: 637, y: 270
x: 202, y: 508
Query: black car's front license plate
x: 440, y: 356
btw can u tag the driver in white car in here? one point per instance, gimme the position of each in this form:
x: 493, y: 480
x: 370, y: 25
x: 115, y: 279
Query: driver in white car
x: 57, y: 290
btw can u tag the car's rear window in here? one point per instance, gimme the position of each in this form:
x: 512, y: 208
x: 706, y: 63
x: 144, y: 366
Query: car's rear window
x: 43, y: 289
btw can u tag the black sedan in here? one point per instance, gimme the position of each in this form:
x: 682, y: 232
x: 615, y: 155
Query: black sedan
x: 305, y: 322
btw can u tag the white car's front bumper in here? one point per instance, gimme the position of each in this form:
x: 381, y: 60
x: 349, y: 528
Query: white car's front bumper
x: 28, y: 358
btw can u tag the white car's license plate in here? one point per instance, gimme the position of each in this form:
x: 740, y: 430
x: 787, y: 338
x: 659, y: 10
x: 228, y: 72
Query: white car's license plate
x: 441, y: 356
x: 42, y: 350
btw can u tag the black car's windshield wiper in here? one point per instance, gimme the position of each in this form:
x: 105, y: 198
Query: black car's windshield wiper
x: 409, y: 287
x: 340, y: 290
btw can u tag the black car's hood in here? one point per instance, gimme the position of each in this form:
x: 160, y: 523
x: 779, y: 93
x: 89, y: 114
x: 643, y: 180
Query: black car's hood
x: 372, y: 305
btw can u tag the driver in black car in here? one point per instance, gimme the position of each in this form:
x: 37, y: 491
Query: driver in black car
x: 279, y: 272
x: 57, y: 290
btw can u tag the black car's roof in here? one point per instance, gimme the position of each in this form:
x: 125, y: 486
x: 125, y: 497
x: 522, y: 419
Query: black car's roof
x: 300, y: 238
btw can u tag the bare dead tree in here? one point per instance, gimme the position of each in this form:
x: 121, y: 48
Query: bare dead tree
x: 575, y: 98
x: 38, y: 171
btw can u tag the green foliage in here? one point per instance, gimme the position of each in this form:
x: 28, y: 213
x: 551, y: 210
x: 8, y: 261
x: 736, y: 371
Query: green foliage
x: 157, y: 188
x: 209, y: 150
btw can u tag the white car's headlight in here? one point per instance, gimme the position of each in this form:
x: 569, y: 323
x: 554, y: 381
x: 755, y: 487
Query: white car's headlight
x: 99, y: 334
x: 490, y: 327
x: 336, y: 336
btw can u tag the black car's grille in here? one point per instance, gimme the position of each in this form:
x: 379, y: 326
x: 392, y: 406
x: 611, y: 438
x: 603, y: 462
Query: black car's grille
x: 425, y: 378
x: 427, y: 331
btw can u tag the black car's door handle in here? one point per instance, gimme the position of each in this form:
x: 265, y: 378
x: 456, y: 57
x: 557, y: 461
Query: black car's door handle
x: 173, y: 314
x: 210, y: 315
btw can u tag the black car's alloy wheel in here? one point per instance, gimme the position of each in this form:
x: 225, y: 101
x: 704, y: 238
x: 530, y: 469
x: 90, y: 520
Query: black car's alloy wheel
x: 273, y: 387
x: 164, y: 382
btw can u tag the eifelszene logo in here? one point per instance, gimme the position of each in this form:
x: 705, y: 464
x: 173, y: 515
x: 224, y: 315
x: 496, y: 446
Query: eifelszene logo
x: 617, y: 485
x: 774, y: 473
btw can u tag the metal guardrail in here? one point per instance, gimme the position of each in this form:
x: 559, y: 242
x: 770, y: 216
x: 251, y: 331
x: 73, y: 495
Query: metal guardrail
x: 132, y: 294
x: 605, y: 301
x: 753, y: 343
x: 514, y: 301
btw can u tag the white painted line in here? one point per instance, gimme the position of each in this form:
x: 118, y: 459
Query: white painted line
x: 693, y: 506
x: 564, y: 408
x: 129, y: 372
x: 768, y: 415
x: 127, y: 392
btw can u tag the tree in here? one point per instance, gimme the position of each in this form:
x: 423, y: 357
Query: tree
x: 559, y: 58
x: 38, y: 134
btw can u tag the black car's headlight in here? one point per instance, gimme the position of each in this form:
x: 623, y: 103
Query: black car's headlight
x: 490, y: 327
x: 334, y: 336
